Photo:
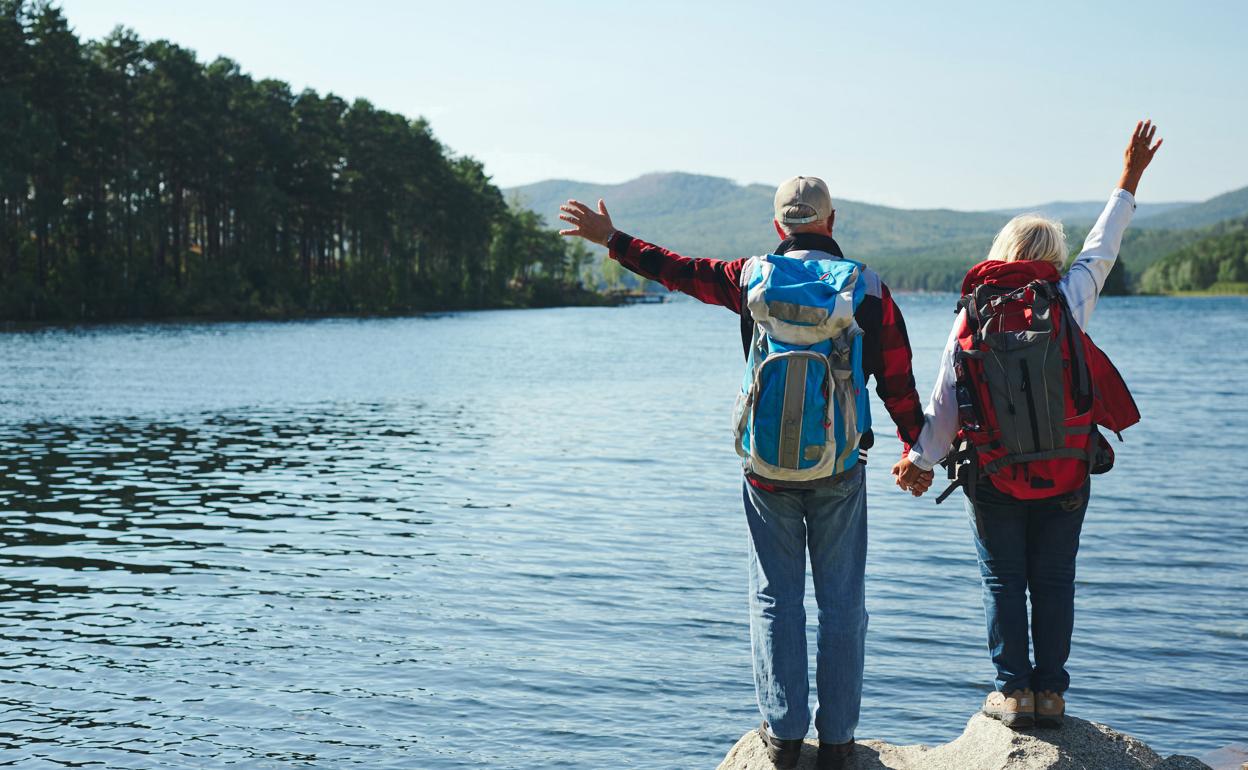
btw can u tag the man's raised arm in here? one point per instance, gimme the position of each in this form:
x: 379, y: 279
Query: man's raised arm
x: 713, y: 281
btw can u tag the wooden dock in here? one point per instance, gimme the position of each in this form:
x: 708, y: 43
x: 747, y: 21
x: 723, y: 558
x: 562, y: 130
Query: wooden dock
x: 637, y: 297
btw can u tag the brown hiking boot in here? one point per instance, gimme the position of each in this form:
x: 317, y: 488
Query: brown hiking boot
x: 1050, y: 708
x: 1015, y: 709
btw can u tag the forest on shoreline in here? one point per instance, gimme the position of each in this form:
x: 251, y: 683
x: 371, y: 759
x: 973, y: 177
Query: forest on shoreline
x: 139, y: 182
x: 1214, y: 264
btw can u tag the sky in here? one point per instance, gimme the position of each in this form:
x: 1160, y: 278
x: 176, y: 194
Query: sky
x: 915, y: 104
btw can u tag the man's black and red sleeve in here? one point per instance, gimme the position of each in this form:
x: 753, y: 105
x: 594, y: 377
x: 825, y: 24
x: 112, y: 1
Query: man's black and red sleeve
x: 713, y: 281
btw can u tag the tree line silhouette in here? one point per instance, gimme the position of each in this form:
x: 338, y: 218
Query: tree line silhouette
x: 136, y: 181
x: 1217, y: 263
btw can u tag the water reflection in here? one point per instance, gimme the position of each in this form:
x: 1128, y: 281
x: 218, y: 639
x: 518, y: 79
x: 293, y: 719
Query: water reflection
x: 147, y: 563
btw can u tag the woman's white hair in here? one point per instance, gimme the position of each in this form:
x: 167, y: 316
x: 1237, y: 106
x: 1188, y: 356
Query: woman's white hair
x: 1030, y: 237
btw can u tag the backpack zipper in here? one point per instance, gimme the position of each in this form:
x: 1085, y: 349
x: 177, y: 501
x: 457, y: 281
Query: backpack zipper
x: 1031, y: 406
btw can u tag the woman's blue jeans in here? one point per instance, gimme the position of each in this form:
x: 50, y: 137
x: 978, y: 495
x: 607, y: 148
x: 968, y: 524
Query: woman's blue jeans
x: 832, y: 524
x: 1028, y: 546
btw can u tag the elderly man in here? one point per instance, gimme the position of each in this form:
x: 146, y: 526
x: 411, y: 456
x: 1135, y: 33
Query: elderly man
x: 827, y: 516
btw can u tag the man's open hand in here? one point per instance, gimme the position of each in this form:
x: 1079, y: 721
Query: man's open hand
x: 588, y: 224
x: 911, y: 477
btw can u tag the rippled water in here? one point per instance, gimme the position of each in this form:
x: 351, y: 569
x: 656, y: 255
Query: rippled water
x: 514, y: 540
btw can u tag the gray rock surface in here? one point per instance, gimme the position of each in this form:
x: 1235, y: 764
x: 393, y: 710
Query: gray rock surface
x: 1231, y: 757
x: 986, y: 744
x: 1181, y: 762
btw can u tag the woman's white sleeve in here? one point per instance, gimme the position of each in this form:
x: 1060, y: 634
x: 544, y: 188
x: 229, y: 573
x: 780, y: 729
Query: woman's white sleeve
x: 1082, y: 284
x: 941, y: 424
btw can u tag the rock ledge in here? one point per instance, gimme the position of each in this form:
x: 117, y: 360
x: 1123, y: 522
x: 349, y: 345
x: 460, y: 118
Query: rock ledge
x: 986, y: 744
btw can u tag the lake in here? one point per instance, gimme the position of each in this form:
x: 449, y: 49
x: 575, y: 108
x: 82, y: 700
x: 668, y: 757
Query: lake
x: 514, y: 539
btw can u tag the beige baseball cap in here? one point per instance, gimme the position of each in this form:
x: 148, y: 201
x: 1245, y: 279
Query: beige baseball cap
x: 803, y: 199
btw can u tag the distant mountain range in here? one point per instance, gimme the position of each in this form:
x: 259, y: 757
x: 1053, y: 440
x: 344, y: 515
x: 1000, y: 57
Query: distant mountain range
x: 1220, y: 208
x: 716, y: 217
x: 1155, y: 216
x: 921, y: 248
x: 1088, y: 211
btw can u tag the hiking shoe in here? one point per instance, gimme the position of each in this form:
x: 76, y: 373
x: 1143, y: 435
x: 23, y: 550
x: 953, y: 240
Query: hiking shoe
x: 783, y: 754
x: 1050, y: 709
x: 833, y: 756
x: 1015, y: 709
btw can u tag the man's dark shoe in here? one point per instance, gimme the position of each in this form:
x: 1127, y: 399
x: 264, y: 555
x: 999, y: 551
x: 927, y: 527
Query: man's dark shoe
x: 834, y: 756
x: 783, y: 754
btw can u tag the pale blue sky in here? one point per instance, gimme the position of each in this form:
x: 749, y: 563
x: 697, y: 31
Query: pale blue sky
x: 953, y: 104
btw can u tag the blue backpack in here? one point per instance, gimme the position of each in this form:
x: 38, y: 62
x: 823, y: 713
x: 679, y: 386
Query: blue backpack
x: 803, y: 405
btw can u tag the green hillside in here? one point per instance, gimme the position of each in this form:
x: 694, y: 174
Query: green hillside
x: 1231, y: 205
x: 940, y: 266
x: 715, y: 217
x: 1216, y: 263
x: 914, y: 249
x: 1088, y: 211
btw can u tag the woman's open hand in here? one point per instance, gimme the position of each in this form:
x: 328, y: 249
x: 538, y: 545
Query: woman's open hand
x: 1140, y: 152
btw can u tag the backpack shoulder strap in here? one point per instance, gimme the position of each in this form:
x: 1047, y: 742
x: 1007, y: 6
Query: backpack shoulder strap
x: 747, y: 320
x: 747, y: 325
x: 1081, y: 375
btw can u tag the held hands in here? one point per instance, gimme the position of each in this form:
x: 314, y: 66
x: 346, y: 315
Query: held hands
x: 1140, y: 152
x: 586, y: 223
x: 911, y: 477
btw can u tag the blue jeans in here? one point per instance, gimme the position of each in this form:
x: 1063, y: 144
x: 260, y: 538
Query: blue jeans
x: 1028, y: 545
x: 831, y: 523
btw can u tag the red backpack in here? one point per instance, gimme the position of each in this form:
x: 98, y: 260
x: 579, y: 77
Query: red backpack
x: 1031, y: 387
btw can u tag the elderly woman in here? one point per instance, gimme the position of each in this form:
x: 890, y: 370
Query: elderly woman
x: 1016, y: 391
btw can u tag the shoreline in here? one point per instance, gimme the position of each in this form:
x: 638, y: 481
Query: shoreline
x: 588, y: 299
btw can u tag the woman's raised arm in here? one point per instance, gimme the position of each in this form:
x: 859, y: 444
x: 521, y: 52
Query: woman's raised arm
x: 1083, y: 282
